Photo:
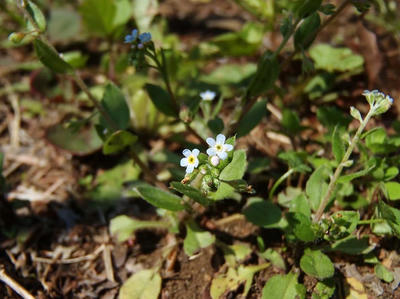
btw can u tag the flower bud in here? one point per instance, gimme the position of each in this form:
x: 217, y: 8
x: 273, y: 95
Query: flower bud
x: 214, y: 161
x: 16, y: 37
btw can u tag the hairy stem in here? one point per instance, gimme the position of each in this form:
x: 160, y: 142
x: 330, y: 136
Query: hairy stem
x: 339, y: 169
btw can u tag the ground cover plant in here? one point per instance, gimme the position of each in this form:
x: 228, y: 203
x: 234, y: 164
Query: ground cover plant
x: 199, y: 149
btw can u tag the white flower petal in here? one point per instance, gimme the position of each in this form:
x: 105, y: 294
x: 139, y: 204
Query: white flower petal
x: 222, y: 155
x: 228, y: 147
x: 220, y: 139
x: 211, y: 151
x: 190, y: 168
x: 210, y: 141
x: 184, y: 162
x: 186, y: 152
x: 195, y: 152
x: 196, y: 163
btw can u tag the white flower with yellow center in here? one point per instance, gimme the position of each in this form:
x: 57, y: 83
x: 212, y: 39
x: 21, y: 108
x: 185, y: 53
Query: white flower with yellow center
x: 218, y: 147
x: 190, y: 161
x: 207, y: 95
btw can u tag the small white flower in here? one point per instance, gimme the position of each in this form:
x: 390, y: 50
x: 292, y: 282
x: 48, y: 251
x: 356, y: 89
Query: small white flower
x: 190, y: 161
x: 207, y: 95
x: 214, y: 160
x: 218, y: 147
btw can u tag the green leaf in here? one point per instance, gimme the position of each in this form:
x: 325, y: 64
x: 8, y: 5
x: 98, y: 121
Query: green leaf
x: 267, y: 73
x: 196, y: 238
x: 331, y: 117
x: 317, y: 187
x: 160, y: 198
x: 301, y: 226
x: 145, y: 284
x: 324, y: 289
x: 307, y: 7
x: 229, y: 74
x: 98, y: 16
x: 118, y: 141
x: 301, y: 205
x: 346, y: 220
x: 216, y: 125
x: 291, y: 122
x: 80, y: 142
x: 123, y: 226
x: 191, y: 192
x: 262, y: 213
x: 391, y: 215
x: 50, y: 58
x: 283, y: 287
x: 353, y: 246
x: 274, y: 257
x: 144, y: 11
x: 333, y: 59
x: 115, y: 105
x: 161, y: 99
x: 382, y: 273
x: 349, y: 177
x: 307, y: 31
x: 236, y: 253
x: 224, y: 283
x: 37, y: 16
x: 317, y: 264
x: 355, y: 113
x: 393, y: 190
x: 123, y: 12
x: 64, y: 24
x: 251, y: 119
x: 338, y: 146
x: 236, y: 168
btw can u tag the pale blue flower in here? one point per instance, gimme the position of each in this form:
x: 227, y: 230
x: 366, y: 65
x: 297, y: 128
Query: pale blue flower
x: 145, y: 37
x: 218, y: 147
x: 130, y: 38
x: 190, y: 161
x: 208, y: 95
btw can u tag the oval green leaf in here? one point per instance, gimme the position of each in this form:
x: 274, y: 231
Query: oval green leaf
x: 50, y: 58
x: 160, y: 198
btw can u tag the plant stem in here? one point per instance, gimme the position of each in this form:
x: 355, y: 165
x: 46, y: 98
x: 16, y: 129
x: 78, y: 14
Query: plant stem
x: 279, y: 181
x: 370, y: 221
x: 82, y: 85
x: 338, y: 171
x: 326, y: 23
x: 250, y: 104
x: 164, y: 73
x: 146, y: 170
x: 75, y: 75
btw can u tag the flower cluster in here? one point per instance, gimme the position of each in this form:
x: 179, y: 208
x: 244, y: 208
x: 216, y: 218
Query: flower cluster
x: 217, y: 151
x: 378, y: 101
x: 141, y: 39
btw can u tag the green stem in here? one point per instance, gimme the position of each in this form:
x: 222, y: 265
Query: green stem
x: 75, y: 75
x: 164, y: 73
x: 82, y: 85
x: 147, y: 170
x: 279, y: 181
x: 338, y: 171
x: 370, y: 221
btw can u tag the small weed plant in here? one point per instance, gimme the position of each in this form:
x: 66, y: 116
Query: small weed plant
x: 346, y: 183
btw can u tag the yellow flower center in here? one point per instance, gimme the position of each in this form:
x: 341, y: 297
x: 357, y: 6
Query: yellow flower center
x: 191, y: 159
x: 218, y: 147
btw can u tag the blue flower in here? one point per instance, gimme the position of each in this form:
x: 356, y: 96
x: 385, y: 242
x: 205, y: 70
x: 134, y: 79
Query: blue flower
x: 190, y: 161
x: 207, y: 95
x: 218, y: 147
x: 131, y: 37
x: 145, y: 37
